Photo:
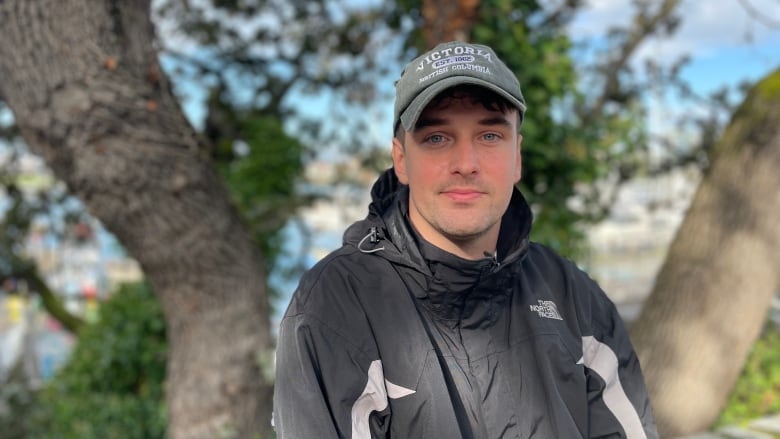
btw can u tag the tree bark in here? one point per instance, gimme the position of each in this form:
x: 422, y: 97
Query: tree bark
x: 84, y: 84
x: 447, y: 20
x: 711, y: 296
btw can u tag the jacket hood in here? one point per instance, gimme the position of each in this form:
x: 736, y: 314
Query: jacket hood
x: 386, y: 231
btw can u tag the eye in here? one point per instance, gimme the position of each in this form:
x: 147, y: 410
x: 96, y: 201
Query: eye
x: 491, y: 137
x: 435, y: 139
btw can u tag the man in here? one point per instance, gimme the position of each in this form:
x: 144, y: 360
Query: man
x: 438, y: 318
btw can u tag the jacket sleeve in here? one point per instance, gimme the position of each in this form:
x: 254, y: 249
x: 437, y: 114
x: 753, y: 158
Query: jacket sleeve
x: 329, y: 381
x: 619, y: 406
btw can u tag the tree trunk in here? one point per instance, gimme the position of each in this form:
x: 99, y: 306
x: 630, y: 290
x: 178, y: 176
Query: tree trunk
x: 447, y: 20
x: 711, y: 295
x: 83, y: 81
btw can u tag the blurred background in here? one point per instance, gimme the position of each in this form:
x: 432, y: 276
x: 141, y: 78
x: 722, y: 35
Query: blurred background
x: 632, y: 106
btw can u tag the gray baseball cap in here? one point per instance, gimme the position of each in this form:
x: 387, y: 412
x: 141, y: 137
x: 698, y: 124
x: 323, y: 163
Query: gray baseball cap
x: 448, y: 65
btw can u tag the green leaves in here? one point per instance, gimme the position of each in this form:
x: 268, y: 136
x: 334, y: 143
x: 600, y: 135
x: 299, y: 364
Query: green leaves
x: 757, y: 392
x: 112, y: 385
x: 261, y: 165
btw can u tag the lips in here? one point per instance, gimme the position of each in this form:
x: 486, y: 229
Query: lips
x: 462, y: 195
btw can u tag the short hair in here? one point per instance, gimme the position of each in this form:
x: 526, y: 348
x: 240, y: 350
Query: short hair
x: 476, y: 94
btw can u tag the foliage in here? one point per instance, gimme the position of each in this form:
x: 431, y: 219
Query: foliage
x: 112, y: 384
x: 17, y: 402
x: 757, y: 391
x: 261, y: 165
x: 273, y: 55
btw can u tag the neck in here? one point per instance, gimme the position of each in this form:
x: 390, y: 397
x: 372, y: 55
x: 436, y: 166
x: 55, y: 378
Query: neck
x: 471, y: 250
x: 471, y: 247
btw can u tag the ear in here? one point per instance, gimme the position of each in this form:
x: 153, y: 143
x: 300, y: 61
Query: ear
x: 519, y: 162
x: 399, y: 162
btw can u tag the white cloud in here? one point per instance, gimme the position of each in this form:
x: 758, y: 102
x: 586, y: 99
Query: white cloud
x: 706, y: 27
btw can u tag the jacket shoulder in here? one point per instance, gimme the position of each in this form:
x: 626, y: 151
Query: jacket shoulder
x: 328, y: 277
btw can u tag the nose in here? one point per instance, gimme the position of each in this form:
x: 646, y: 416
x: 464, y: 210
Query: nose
x: 465, y: 158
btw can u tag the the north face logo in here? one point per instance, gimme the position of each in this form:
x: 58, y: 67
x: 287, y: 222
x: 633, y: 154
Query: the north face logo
x: 546, y: 309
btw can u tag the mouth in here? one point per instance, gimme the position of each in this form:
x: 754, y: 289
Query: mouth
x: 462, y: 195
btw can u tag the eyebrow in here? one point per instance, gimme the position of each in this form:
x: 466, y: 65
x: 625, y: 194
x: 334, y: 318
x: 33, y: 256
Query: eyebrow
x: 429, y: 122
x: 488, y: 121
x: 496, y: 120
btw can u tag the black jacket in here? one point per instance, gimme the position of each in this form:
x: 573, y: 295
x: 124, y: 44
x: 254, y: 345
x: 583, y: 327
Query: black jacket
x: 390, y: 337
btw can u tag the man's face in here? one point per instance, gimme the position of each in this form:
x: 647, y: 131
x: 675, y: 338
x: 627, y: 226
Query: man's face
x: 461, y: 163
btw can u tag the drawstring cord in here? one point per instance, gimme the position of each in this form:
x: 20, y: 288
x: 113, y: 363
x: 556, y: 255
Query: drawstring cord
x: 494, y: 259
x: 373, y: 237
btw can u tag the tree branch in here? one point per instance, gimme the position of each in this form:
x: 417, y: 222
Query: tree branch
x: 51, y: 303
x: 561, y: 14
x: 644, y: 25
x: 758, y: 16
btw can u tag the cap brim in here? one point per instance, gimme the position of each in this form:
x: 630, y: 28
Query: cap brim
x: 412, y: 112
